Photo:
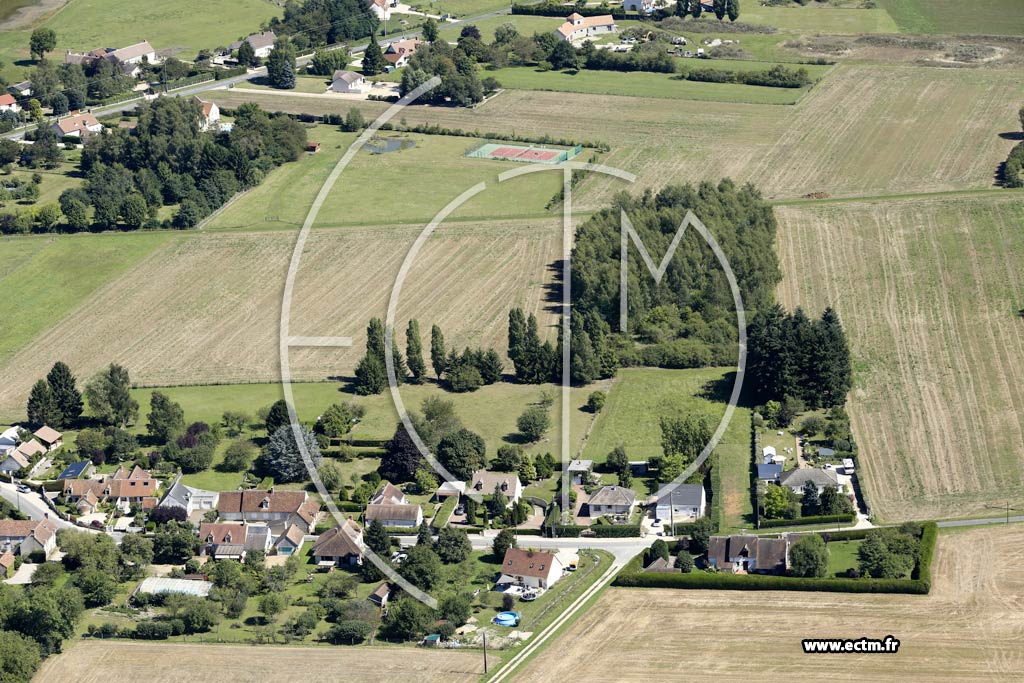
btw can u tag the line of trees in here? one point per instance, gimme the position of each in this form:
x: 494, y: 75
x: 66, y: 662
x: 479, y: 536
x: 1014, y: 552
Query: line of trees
x: 324, y: 22
x: 791, y: 356
x: 1013, y: 169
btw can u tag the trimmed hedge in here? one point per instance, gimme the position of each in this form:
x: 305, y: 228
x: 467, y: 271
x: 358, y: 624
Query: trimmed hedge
x: 554, y: 9
x: 444, y: 513
x: 602, y: 531
x: 923, y: 571
x: 814, y: 519
x: 1013, y: 168
x: 764, y: 582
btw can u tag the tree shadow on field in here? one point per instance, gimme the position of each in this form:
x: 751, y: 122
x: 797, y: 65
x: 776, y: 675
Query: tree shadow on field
x: 553, y: 289
x: 1013, y: 135
x: 719, y: 390
x: 515, y: 438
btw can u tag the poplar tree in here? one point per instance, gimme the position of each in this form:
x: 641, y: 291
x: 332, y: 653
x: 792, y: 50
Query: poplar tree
x: 65, y: 391
x: 437, y: 351
x: 414, y: 352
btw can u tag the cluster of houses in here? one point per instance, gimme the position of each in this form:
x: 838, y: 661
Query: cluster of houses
x: 17, y: 455
x: 122, y: 489
x: 771, y: 470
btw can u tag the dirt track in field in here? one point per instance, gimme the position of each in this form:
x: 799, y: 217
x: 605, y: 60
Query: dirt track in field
x: 207, y: 309
x: 95, y: 661
x: 968, y: 629
x: 928, y: 292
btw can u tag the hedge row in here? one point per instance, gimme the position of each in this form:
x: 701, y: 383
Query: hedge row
x: 599, y: 531
x: 813, y: 519
x: 923, y: 572
x: 444, y: 513
x: 555, y: 9
x: 763, y: 582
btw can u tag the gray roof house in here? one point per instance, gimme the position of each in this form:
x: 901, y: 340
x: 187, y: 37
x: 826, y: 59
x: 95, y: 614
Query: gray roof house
x: 769, y: 472
x: 612, y: 500
x: 796, y: 479
x: 189, y: 498
x: 680, y: 503
x: 748, y: 554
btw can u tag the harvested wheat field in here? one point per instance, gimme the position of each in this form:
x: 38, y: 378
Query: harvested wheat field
x: 968, y: 629
x: 94, y: 661
x: 929, y: 293
x: 894, y: 130
x: 206, y: 309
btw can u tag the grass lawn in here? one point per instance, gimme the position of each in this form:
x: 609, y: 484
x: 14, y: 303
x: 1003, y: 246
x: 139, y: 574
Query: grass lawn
x: 45, y: 277
x: 1003, y: 17
x: 642, y: 84
x: 54, y: 182
x: 842, y: 555
x: 822, y: 18
x: 491, y: 411
x: 187, y: 25
x: 303, y: 83
x: 459, y: 8
x: 641, y: 396
x: 411, y: 186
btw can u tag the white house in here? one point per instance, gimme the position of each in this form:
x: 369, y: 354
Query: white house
x: 211, y: 114
x: 348, y: 81
x: 380, y: 8
x: 189, y: 498
x: 388, y: 493
x: 612, y: 500
x: 530, y: 568
x: 136, y: 54
x: 262, y: 43
x: 484, y: 483
x: 578, y: 27
x: 771, y: 457
x: 9, y: 439
x: 79, y: 126
x: 642, y: 6
x: 395, y: 514
x: 27, y: 536
x: 447, y: 489
x: 13, y: 462
x: 9, y: 103
x: 682, y: 503
x: 400, y: 52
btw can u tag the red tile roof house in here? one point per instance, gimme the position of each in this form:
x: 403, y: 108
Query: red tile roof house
x: 9, y: 103
x: 123, y: 488
x: 79, y: 125
x: 399, y: 53
x: 211, y: 114
x: 49, y: 437
x: 341, y: 545
x: 219, y: 539
x: 28, y: 536
x: 530, y: 568
x: 577, y: 27
x: 274, y: 507
x: 6, y: 564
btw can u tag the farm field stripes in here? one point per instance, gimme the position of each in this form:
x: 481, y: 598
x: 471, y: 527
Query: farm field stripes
x: 206, y: 309
x: 821, y: 18
x: 887, y: 130
x: 1001, y: 17
x: 44, y: 278
x: 929, y: 293
x: 95, y: 661
x: 967, y: 629
x: 408, y: 185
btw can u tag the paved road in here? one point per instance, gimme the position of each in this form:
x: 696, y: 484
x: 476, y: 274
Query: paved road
x: 980, y: 522
x: 32, y: 505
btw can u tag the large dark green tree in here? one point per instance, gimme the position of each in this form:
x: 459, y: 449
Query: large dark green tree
x: 42, y: 408
x: 282, y: 458
x: 43, y: 40
x: 110, y: 398
x: 414, y: 353
x: 732, y: 8
x: 462, y: 453
x: 719, y: 8
x: 246, y: 55
x: 373, y: 59
x: 166, y: 418
x: 438, y: 353
x: 809, y: 557
x: 281, y: 65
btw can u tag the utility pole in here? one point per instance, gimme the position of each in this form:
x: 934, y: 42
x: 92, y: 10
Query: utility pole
x: 1006, y: 507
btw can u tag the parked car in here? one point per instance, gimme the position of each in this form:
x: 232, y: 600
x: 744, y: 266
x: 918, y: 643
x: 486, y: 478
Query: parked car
x: 23, y: 489
x: 657, y: 522
x: 460, y: 509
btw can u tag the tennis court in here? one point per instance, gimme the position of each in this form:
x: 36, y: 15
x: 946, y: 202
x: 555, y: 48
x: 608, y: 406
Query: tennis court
x: 530, y: 154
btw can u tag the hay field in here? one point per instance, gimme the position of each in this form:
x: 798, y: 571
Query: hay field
x: 870, y: 130
x: 968, y: 629
x: 206, y: 309
x: 94, y: 661
x: 928, y: 291
x: 863, y: 130
x: 1001, y: 17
